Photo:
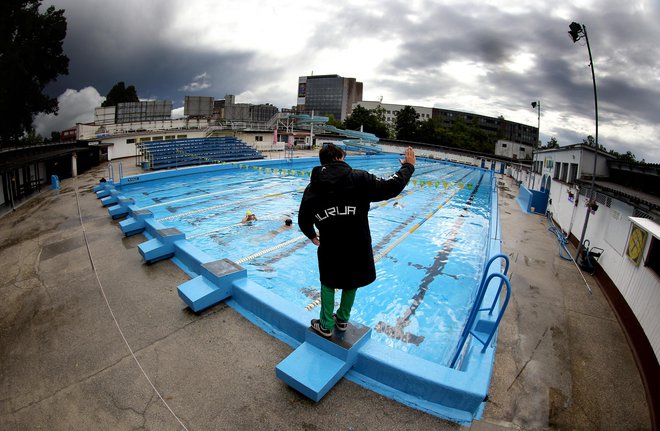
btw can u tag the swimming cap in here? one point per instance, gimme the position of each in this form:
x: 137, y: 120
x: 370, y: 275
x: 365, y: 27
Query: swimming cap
x: 248, y: 213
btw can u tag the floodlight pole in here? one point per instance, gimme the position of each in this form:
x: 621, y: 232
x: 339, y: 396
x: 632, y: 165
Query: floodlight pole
x: 537, y: 105
x: 576, y: 29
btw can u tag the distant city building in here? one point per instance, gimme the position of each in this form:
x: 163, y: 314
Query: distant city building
x: 328, y: 94
x: 503, y: 129
x: 392, y: 109
x: 152, y: 110
x: 198, y: 106
x: 229, y: 110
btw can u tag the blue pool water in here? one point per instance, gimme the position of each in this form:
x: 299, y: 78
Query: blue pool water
x: 430, y: 248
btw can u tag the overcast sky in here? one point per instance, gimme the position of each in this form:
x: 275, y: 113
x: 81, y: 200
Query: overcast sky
x: 487, y: 57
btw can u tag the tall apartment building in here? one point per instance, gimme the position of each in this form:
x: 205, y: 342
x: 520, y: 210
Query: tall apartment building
x: 328, y: 94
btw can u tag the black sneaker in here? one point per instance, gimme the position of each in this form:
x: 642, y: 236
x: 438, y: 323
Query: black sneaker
x: 340, y: 324
x: 318, y: 327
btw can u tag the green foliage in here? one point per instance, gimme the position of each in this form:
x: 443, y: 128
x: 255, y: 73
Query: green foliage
x: 468, y: 136
x: 552, y: 143
x: 627, y: 157
x: 31, y: 56
x: 332, y: 121
x: 406, y: 123
x: 372, y: 121
x: 119, y: 93
x: 31, y: 138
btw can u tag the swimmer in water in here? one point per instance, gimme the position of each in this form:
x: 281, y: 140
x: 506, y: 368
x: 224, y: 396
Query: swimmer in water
x: 398, y: 205
x: 249, y: 217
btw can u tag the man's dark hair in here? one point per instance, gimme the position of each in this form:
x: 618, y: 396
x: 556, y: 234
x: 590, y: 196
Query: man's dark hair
x: 288, y: 222
x: 330, y: 153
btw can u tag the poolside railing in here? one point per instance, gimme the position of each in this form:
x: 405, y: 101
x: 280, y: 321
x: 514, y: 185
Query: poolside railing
x: 479, y: 328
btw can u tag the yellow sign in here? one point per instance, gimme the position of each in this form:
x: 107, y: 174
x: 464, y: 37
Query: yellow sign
x: 636, y: 243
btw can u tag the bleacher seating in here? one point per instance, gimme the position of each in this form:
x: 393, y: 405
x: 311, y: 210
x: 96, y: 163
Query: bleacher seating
x: 199, y: 151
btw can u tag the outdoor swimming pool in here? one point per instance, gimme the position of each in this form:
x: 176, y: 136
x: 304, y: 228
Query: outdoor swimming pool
x: 430, y: 250
x: 426, y: 281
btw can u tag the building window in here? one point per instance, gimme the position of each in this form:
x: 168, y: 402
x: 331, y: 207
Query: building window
x: 653, y: 256
x: 572, y: 175
x: 130, y: 141
x: 259, y: 138
x: 503, y: 145
x: 564, y: 172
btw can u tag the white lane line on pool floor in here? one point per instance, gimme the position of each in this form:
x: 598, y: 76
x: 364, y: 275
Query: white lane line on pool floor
x: 195, y: 197
x: 271, y: 249
x: 226, y: 204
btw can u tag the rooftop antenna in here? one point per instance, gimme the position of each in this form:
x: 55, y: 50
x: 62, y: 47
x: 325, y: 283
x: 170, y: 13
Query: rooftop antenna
x: 380, y: 99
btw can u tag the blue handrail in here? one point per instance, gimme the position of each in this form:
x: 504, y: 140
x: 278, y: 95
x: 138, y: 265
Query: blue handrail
x: 474, y: 311
x: 501, y: 313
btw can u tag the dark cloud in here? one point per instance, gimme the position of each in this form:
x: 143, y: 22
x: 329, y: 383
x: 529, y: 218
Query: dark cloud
x: 107, y: 44
x: 145, y: 46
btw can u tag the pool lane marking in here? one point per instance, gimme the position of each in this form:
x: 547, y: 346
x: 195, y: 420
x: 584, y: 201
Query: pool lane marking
x: 264, y: 217
x: 169, y: 202
x: 416, y: 226
x: 277, y: 247
x: 254, y: 182
x: 195, y: 197
x: 398, y: 332
x: 317, y: 301
x: 268, y: 250
x: 226, y: 204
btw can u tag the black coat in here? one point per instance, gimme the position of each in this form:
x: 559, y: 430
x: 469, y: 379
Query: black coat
x: 337, y: 201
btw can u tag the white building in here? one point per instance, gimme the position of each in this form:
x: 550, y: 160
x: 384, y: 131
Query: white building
x: 391, y: 110
x: 624, y: 223
x: 513, y: 150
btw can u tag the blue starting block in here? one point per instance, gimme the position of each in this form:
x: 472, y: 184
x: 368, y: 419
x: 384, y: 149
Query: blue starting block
x: 111, y: 199
x: 104, y: 192
x: 161, y: 247
x: 135, y: 223
x: 121, y: 209
x: 318, y: 363
x: 214, y: 285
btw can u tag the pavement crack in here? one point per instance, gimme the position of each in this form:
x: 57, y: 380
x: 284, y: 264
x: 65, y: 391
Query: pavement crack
x: 528, y: 360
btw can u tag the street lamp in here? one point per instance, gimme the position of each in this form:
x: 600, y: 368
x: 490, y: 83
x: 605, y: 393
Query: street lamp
x: 577, y: 32
x: 536, y: 105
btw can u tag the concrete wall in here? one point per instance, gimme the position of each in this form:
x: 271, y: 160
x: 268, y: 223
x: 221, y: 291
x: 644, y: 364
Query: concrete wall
x: 608, y: 228
x: 512, y: 150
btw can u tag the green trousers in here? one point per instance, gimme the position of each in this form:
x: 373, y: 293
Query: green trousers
x: 328, y: 305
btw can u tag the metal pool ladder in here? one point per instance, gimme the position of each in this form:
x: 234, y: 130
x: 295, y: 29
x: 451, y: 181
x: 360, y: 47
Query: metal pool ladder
x: 483, y: 330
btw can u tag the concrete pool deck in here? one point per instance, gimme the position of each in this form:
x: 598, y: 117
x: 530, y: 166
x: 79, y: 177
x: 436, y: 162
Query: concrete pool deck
x: 562, y: 360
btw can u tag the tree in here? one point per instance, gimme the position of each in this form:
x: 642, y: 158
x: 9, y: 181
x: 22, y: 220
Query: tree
x: 31, y: 56
x: 332, y: 121
x: 590, y: 141
x: 119, y: 93
x: 406, y: 123
x: 371, y: 121
x: 552, y: 143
